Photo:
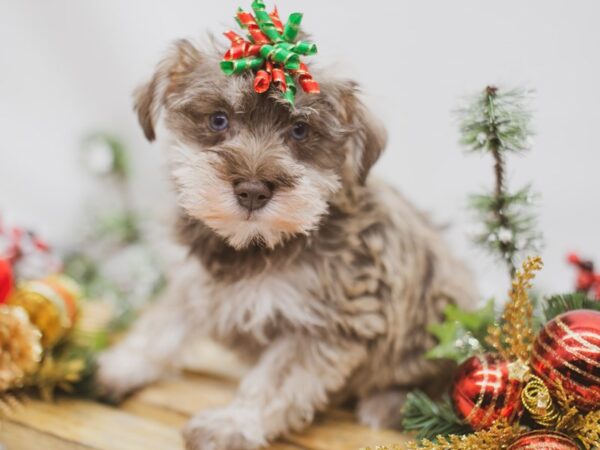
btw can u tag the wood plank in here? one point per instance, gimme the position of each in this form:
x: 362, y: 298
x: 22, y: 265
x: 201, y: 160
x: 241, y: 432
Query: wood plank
x: 167, y: 417
x: 334, y: 433
x: 152, y: 419
x: 14, y: 436
x: 150, y: 402
x: 92, y: 425
x: 188, y: 394
x: 177, y: 420
x: 335, y: 430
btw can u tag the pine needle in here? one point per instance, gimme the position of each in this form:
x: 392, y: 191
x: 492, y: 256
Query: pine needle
x: 431, y: 418
x: 559, y: 304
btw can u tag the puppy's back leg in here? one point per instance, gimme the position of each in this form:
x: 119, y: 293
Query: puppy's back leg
x: 381, y: 409
x: 152, y: 347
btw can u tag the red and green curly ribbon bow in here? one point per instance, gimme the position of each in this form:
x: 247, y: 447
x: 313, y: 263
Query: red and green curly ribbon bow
x: 272, y: 51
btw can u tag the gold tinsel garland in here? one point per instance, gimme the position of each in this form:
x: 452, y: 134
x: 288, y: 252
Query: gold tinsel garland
x: 588, y: 430
x: 514, y: 337
x: 497, y: 437
x: 20, y: 347
x: 569, y: 414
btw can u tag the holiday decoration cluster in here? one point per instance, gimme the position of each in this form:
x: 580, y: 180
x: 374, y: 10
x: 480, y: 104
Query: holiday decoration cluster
x: 529, y: 379
x: 38, y: 307
x: 57, y: 313
x: 532, y: 389
x: 272, y: 51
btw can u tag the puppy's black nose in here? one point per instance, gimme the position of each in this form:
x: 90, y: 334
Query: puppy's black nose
x: 253, y: 194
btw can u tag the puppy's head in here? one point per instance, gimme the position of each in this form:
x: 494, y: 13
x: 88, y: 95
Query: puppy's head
x: 248, y: 165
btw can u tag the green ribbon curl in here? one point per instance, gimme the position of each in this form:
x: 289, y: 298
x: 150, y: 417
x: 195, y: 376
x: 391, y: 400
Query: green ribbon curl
x: 290, y: 92
x: 280, y: 54
x: 292, y: 27
x: 304, y: 48
x: 235, y: 66
x: 264, y: 21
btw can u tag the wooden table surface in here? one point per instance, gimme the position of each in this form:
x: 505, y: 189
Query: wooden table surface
x: 152, y: 419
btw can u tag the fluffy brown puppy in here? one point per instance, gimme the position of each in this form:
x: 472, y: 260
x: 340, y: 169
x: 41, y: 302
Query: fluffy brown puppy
x: 324, y: 279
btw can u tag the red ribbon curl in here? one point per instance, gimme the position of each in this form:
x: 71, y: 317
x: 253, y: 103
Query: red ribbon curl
x: 248, y: 22
x: 306, y: 80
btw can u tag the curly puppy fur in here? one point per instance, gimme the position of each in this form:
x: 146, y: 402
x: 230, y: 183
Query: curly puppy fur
x: 327, y: 289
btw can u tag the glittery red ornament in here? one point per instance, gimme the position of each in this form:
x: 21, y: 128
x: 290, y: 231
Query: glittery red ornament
x: 543, y: 440
x: 567, y: 353
x: 483, y: 391
x: 6, y: 280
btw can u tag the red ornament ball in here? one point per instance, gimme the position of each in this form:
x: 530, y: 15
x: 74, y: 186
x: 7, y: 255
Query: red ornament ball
x: 483, y: 391
x: 543, y: 440
x: 6, y: 280
x: 567, y: 353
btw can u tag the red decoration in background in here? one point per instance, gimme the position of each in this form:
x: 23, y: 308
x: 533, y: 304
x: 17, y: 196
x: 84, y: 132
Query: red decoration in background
x: 567, y: 353
x: 16, y: 241
x: 588, y: 281
x: 543, y: 440
x: 6, y: 280
x: 483, y: 391
x: 29, y: 255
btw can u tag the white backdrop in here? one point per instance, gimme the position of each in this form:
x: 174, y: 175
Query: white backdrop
x: 68, y: 67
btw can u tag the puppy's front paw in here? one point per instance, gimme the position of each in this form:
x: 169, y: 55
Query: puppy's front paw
x: 120, y: 372
x: 227, y: 428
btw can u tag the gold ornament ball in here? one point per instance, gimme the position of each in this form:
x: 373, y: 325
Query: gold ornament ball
x: 52, y: 305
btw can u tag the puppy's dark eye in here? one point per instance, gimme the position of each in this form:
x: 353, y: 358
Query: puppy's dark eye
x: 218, y: 121
x: 300, y: 131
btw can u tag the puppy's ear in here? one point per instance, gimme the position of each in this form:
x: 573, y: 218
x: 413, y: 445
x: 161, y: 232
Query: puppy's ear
x: 368, y: 136
x: 181, y: 61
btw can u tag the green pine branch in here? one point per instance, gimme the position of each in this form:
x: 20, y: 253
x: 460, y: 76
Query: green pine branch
x: 431, y: 419
x: 559, y: 304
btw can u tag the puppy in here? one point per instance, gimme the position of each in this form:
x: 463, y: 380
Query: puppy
x: 324, y: 279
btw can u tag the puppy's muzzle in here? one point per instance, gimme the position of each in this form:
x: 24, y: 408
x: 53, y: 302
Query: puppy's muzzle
x: 253, y: 194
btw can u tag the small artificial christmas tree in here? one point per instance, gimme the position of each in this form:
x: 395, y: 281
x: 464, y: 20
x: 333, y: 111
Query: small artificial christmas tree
x: 498, y: 122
